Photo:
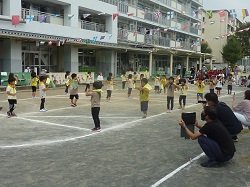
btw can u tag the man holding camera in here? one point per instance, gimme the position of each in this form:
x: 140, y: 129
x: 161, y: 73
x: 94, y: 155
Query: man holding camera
x: 225, y: 115
x: 217, y: 144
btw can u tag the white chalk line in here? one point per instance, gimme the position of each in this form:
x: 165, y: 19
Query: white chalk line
x: 86, y: 117
x: 123, y: 125
x: 52, y: 124
x: 176, y: 171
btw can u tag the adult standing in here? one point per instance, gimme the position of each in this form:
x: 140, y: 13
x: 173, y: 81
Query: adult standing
x: 100, y: 77
x: 184, y: 69
x: 217, y: 144
x: 236, y: 74
x: 178, y: 69
x: 225, y: 115
x: 192, y: 71
x: 228, y: 71
x: 242, y: 109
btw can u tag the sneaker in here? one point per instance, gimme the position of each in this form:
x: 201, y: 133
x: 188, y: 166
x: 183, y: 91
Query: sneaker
x: 168, y: 111
x: 9, y: 114
x: 46, y: 109
x: 183, y: 108
x: 179, y: 107
x: 73, y: 105
x: 96, y: 129
x: 43, y: 110
x: 144, y: 116
x: 13, y: 114
x: 210, y: 164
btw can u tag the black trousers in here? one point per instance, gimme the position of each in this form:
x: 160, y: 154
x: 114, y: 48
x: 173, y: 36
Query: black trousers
x: 87, y: 87
x: 42, y: 103
x: 95, y: 115
x: 123, y: 84
x: 182, y: 98
x: 12, y: 103
x: 170, y: 101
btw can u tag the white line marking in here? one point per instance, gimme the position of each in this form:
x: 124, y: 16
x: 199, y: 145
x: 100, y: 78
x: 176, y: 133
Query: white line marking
x: 86, y: 117
x: 54, y: 124
x: 176, y: 170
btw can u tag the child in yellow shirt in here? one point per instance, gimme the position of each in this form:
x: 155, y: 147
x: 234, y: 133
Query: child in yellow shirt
x: 34, y: 80
x: 200, y: 85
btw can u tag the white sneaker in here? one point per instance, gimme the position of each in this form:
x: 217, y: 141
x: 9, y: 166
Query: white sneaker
x: 43, y: 110
x: 46, y: 109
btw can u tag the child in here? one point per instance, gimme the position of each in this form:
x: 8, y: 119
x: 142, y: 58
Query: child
x: 74, y: 90
x: 42, y: 89
x: 183, y: 87
x: 87, y: 82
x: 34, y: 80
x: 200, y: 84
x: 219, y: 85
x: 144, y: 96
x: 100, y: 77
x: 211, y: 85
x: 124, y: 80
x: 163, y: 83
x: 109, y: 88
x: 67, y: 79
x: 171, y: 86
x: 230, y: 82
x: 95, y: 104
x: 157, y: 84
x: 135, y: 79
x: 11, y: 92
x: 130, y: 85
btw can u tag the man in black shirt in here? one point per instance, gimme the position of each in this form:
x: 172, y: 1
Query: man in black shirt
x: 217, y: 144
x: 225, y: 115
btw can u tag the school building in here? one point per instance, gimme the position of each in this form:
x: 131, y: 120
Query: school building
x: 100, y: 35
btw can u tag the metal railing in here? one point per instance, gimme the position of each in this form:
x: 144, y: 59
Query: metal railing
x: 92, y: 26
x: 1, y: 9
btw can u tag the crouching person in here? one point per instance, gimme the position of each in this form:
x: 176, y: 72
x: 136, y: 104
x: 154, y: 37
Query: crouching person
x: 217, y: 144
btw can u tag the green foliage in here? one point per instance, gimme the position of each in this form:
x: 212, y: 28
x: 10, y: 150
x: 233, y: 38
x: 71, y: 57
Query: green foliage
x: 244, y: 38
x: 205, y: 48
x: 232, y: 51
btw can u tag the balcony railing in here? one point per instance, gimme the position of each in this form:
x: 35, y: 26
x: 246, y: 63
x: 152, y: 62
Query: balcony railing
x: 92, y: 26
x: 1, y: 9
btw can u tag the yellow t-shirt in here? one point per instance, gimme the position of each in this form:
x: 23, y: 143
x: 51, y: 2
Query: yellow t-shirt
x: 201, y: 87
x: 163, y: 81
x: 144, y: 96
x: 34, y: 81
x: 183, y: 90
x: 11, y: 89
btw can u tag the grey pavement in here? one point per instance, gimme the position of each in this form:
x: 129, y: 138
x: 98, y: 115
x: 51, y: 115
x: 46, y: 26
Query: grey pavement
x: 57, y: 148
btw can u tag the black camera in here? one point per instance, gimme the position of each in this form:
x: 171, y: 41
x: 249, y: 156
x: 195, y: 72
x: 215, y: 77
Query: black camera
x: 203, y: 102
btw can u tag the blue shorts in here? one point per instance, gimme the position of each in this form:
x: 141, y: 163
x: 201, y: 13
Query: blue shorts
x: 229, y: 87
x: 144, y: 106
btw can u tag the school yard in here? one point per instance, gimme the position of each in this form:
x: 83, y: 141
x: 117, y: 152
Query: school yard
x: 58, y: 149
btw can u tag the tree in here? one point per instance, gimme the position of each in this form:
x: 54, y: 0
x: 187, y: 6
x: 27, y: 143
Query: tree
x: 243, y: 38
x: 232, y: 51
x: 205, y: 48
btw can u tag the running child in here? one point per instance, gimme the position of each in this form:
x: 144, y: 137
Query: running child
x: 157, y: 84
x: 200, y: 85
x: 109, y: 88
x: 34, y: 81
x: 11, y: 93
x: 163, y: 83
x: 95, y: 103
x: 87, y: 82
x: 144, y: 95
x: 183, y: 87
x: 74, y: 90
x: 67, y: 80
x: 124, y: 80
x: 171, y: 86
x: 230, y: 81
x: 42, y: 90
x: 130, y: 85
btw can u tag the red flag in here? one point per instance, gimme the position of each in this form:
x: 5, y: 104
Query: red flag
x: 185, y: 27
x: 50, y: 43
x: 130, y: 14
x: 135, y: 33
x: 222, y: 13
x: 115, y: 15
x: 15, y: 20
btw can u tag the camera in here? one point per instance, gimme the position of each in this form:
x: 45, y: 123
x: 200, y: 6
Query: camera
x: 203, y: 102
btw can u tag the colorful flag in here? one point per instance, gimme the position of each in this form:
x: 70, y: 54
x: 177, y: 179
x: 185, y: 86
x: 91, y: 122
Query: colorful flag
x: 55, y: 15
x: 233, y: 13
x: 194, y: 24
x: 42, y: 42
x: 79, y: 40
x: 195, y: 13
x: 247, y: 29
x: 58, y: 43
x: 240, y: 30
x: 85, y: 15
x: 87, y: 41
x: 64, y: 41
x: 143, y: 13
x: 157, y: 14
x: 217, y: 38
x: 37, y: 43
x: 185, y: 27
x: 222, y: 13
x: 165, y: 30
x: 94, y: 39
x: 49, y: 43
x: 15, y: 20
x: 119, y: 35
x: 30, y: 18
x: 102, y: 37
x: 135, y: 33
x: 245, y: 13
x: 130, y: 14
x: 170, y: 15
x: 115, y: 15
x: 110, y: 36
x: 126, y: 34
x: 209, y: 14
x: 222, y: 19
x: 70, y: 16
x: 42, y: 18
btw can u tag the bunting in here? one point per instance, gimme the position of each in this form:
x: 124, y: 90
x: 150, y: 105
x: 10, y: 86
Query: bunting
x: 245, y: 13
x: 55, y: 15
x: 15, y: 20
x: 58, y: 43
x: 135, y: 33
x: 130, y: 14
x: 50, y: 43
x: 195, y: 13
x: 102, y: 37
x: 115, y: 15
x: 110, y: 36
x: 85, y: 15
x: 233, y: 13
x: 210, y: 14
x: 170, y: 15
x: 157, y: 15
x: 222, y: 13
x: 185, y: 27
x: 30, y: 18
x: 70, y: 16
x: 94, y: 39
x: 43, y: 18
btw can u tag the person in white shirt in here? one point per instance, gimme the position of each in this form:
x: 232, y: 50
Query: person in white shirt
x: 100, y: 77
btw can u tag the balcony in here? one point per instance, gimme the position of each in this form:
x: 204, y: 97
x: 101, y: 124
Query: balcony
x: 36, y: 16
x: 92, y: 26
x: 1, y: 9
